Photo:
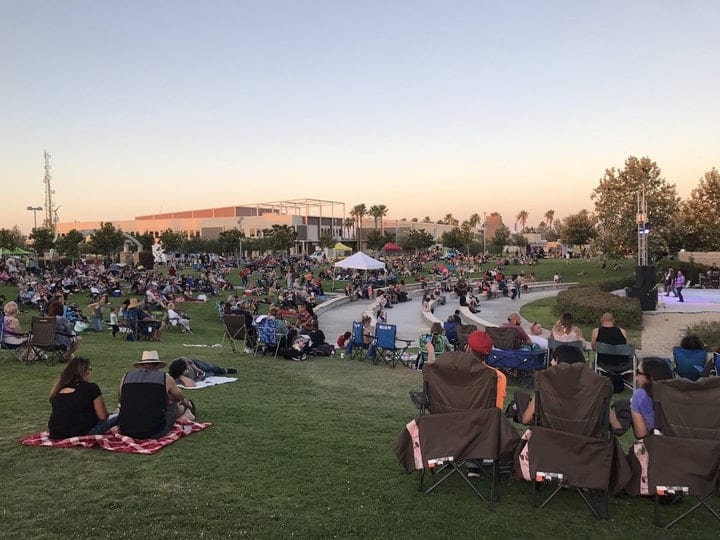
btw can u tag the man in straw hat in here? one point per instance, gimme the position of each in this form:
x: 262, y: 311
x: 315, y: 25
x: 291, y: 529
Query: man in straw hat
x: 150, y: 401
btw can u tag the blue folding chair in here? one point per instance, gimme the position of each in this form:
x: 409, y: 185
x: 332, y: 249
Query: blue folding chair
x: 689, y: 363
x: 359, y: 350
x: 387, y: 344
x: 269, y: 338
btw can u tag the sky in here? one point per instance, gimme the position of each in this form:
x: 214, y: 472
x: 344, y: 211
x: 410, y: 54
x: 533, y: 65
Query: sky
x: 428, y: 107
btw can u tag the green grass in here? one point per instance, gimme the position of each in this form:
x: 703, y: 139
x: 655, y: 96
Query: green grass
x: 295, y: 450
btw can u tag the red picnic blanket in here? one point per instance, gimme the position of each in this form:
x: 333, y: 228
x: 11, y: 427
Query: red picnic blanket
x: 115, y: 441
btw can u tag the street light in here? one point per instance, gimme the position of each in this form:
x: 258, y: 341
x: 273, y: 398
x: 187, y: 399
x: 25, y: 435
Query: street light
x: 34, y: 210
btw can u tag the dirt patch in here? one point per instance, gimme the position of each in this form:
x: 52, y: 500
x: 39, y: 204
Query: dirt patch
x: 663, y: 331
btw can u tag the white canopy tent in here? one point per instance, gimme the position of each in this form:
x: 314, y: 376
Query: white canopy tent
x: 360, y: 261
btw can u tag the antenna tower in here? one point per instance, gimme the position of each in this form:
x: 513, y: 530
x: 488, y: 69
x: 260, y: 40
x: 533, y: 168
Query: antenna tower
x: 48, y: 223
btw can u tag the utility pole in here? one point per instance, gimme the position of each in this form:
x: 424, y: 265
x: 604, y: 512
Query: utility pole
x: 49, y: 222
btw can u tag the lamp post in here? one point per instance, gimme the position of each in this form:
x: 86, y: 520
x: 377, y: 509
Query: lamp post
x: 34, y: 210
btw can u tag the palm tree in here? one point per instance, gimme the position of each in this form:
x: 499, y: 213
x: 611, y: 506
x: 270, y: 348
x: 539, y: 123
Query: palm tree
x: 358, y: 212
x: 549, y: 218
x: 382, y: 211
x: 522, y: 219
x: 474, y: 220
x: 375, y: 212
x: 450, y: 219
x: 348, y: 224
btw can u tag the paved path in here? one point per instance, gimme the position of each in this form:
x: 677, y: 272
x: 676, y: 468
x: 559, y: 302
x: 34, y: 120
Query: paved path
x: 410, y: 321
x: 408, y: 315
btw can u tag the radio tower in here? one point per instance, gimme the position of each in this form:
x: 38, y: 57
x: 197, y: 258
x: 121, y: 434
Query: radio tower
x: 48, y: 223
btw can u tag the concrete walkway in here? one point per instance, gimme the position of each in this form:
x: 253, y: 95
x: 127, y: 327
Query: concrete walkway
x: 409, y: 319
x: 408, y: 315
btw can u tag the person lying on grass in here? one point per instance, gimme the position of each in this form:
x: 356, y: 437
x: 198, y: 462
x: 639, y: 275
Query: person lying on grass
x: 188, y: 371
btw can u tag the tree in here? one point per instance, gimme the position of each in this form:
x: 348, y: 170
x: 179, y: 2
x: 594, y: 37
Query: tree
x: 698, y: 222
x: 69, y: 244
x: 521, y: 218
x: 42, y: 239
x: 549, y: 218
x: 449, y: 219
x: 427, y: 219
x: 230, y: 241
x: 280, y: 237
x: 376, y: 239
x: 107, y: 240
x: 414, y: 220
x: 348, y: 224
x: 172, y: 241
x: 378, y: 212
x: 358, y: 212
x: 459, y: 238
x: 326, y: 240
x: 10, y: 238
x: 500, y: 239
x: 578, y: 229
x: 475, y: 220
x: 146, y: 239
x: 616, y: 204
x: 518, y: 239
x: 416, y: 240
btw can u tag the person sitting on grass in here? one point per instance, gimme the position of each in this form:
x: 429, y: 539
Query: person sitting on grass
x: 150, y: 401
x: 78, y: 407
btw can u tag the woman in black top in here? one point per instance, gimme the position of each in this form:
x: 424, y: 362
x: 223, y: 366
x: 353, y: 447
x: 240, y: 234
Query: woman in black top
x: 78, y: 407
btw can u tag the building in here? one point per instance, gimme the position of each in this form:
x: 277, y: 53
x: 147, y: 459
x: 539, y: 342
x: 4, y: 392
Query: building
x: 311, y: 218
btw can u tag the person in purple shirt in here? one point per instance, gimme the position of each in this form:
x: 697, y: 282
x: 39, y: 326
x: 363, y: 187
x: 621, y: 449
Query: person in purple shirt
x: 641, y: 403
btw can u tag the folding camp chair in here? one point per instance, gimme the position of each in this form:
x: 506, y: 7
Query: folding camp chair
x: 234, y: 331
x: 444, y: 443
x: 685, y: 459
x: 554, y: 344
x: 8, y: 350
x: 359, y: 349
x: 269, y: 338
x: 458, y: 383
x: 616, y: 361
x: 387, y: 344
x: 463, y: 331
x: 571, y: 442
x: 689, y: 363
x: 41, y: 341
x: 504, y: 337
x: 464, y: 424
x: 425, y: 338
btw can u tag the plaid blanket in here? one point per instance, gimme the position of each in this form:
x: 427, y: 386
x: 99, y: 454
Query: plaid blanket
x: 114, y: 441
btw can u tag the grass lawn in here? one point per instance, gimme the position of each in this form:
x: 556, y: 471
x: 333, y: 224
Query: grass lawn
x: 295, y: 450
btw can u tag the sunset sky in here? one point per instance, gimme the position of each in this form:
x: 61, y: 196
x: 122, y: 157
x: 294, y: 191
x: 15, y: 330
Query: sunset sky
x: 427, y: 107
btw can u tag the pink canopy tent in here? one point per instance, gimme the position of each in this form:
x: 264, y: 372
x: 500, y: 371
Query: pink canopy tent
x: 391, y: 247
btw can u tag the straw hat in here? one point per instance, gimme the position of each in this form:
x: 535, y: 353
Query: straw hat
x: 133, y: 303
x: 150, y: 358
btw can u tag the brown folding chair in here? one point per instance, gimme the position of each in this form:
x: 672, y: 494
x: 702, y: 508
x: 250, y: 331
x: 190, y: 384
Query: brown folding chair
x: 685, y: 459
x: 41, y: 342
x: 571, y: 443
x: 459, y: 392
x: 234, y: 331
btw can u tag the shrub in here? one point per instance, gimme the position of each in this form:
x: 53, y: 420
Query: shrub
x: 708, y: 332
x: 616, y: 284
x: 587, y: 304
